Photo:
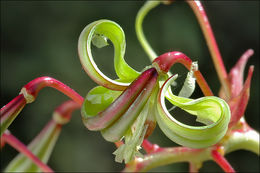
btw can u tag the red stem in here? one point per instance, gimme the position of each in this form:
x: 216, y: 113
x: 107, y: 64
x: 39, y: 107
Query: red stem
x: 19, y: 146
x: 221, y: 161
x: 167, y: 60
x: 149, y: 147
x: 37, y: 84
x: 211, y: 42
x: 13, y: 106
x: 29, y: 93
x: 63, y: 112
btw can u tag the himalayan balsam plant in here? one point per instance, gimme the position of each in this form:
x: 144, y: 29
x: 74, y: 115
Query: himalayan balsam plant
x: 126, y: 110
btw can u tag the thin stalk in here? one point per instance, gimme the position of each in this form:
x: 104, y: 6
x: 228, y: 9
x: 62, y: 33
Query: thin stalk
x: 221, y: 161
x: 43, y: 144
x: 19, y: 146
x: 139, y: 29
x: 211, y: 42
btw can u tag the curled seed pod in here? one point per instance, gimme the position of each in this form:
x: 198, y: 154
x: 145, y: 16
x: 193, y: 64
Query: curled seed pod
x: 212, y: 111
x: 109, y: 115
x: 115, y: 131
x: 97, y: 33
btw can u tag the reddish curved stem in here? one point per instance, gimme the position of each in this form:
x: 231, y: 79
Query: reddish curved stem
x: 221, y: 161
x: 167, y: 60
x: 29, y: 93
x: 19, y: 146
x: 37, y: 84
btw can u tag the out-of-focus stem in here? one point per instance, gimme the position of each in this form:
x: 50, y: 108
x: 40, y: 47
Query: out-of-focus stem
x: 19, y: 146
x: 62, y: 113
x: 221, y: 161
x: 165, y: 61
x: 139, y: 30
x: 194, y: 167
x: 10, y: 111
x: 43, y: 144
x: 211, y: 42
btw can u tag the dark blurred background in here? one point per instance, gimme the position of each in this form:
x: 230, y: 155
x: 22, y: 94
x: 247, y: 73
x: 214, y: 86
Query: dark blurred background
x: 40, y: 39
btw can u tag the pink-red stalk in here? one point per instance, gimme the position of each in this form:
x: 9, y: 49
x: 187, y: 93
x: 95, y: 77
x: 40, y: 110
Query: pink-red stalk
x: 221, y: 161
x: 201, y: 15
x: 29, y: 93
x: 37, y: 84
x: 149, y: 147
x: 19, y: 146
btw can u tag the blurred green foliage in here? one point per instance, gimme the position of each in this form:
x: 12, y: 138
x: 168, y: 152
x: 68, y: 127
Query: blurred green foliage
x: 40, y: 39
